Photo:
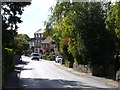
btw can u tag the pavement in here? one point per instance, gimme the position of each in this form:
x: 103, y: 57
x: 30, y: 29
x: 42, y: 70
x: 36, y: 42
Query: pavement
x: 12, y: 80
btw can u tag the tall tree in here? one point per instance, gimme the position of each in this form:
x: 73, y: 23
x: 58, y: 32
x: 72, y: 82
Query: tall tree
x: 113, y: 19
x: 97, y: 42
x: 21, y: 43
x: 11, y: 12
x: 89, y: 41
x: 113, y: 25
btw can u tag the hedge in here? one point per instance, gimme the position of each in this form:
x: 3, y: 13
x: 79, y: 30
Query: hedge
x: 7, y: 61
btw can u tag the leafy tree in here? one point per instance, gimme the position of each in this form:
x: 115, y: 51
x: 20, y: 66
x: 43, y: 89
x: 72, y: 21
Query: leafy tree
x: 69, y: 30
x: 58, y: 12
x: 21, y: 43
x: 113, y: 25
x: 113, y: 19
x: 89, y: 41
x: 11, y: 12
x: 113, y: 22
x: 97, y: 43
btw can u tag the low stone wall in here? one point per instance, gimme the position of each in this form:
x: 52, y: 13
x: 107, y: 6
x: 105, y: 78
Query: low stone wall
x: 118, y: 84
x: 108, y: 72
x: 118, y: 78
x: 82, y: 68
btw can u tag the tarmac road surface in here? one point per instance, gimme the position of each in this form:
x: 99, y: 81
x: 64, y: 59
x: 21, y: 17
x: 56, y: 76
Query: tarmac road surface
x: 48, y: 74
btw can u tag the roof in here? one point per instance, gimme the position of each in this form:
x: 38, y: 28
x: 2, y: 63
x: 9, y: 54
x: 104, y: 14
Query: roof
x: 47, y: 40
x: 40, y: 31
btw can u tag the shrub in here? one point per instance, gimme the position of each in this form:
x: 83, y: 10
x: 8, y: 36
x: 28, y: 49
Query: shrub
x: 7, y: 63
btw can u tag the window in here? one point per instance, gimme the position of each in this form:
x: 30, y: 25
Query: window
x: 46, y: 45
x: 41, y: 35
x: 35, y: 54
x: 35, y: 35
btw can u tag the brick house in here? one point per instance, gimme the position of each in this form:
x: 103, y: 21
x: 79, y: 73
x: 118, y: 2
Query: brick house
x: 38, y: 38
x: 48, y: 46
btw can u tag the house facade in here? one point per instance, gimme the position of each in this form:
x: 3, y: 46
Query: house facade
x: 39, y: 44
x: 31, y: 44
x: 48, y: 46
x: 38, y: 38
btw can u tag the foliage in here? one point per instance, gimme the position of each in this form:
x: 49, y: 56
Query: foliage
x: 83, y: 23
x: 65, y: 41
x: 11, y: 12
x: 50, y: 56
x: 21, y: 43
x: 113, y: 25
x: 98, y: 42
x: 48, y: 30
x: 7, y: 62
x: 113, y: 19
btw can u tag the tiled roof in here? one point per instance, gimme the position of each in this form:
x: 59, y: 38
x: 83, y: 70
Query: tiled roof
x: 40, y: 31
x: 47, y: 40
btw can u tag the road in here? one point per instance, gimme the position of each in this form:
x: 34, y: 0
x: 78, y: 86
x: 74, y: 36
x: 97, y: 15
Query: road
x: 48, y: 74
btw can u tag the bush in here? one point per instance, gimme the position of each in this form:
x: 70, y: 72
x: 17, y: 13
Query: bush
x: 49, y: 56
x: 43, y: 56
x: 7, y: 63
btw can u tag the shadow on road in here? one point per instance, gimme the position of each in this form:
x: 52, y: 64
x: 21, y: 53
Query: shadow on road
x: 20, y: 68
x: 56, y: 84
x: 23, y: 62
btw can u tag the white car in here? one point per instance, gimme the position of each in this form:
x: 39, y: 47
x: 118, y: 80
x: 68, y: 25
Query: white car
x: 35, y: 56
x: 58, y: 59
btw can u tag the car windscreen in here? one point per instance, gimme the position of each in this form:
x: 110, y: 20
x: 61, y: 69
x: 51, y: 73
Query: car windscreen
x: 60, y: 57
x: 35, y: 55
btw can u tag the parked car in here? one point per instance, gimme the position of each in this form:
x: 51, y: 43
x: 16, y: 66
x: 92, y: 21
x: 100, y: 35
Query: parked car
x: 58, y: 59
x: 35, y: 56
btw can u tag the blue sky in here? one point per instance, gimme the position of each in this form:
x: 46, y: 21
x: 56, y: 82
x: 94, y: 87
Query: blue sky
x: 34, y: 16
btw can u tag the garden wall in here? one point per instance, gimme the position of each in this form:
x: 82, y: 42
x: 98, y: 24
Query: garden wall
x: 82, y: 68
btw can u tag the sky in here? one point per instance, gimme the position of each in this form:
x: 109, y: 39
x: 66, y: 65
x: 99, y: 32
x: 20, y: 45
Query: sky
x: 34, y: 16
